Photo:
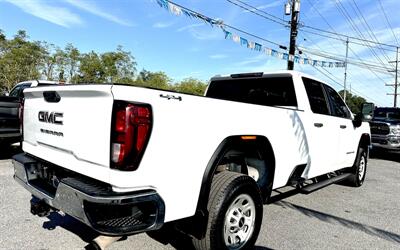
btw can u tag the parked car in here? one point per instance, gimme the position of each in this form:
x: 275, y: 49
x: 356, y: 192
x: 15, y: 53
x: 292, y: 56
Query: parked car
x: 385, y: 129
x: 10, y: 106
x: 126, y: 159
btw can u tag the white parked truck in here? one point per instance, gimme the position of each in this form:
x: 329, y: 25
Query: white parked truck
x: 126, y: 159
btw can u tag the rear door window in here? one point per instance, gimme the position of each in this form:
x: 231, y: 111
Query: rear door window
x: 316, y: 96
x: 270, y: 91
x: 15, y: 91
x: 18, y: 90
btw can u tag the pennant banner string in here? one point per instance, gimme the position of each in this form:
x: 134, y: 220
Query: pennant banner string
x: 178, y: 10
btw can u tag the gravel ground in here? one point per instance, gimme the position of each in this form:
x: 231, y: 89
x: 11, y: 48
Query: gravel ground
x: 335, y: 217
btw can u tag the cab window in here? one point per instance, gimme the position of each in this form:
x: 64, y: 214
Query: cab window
x: 316, y: 96
x: 17, y: 91
x: 338, y: 107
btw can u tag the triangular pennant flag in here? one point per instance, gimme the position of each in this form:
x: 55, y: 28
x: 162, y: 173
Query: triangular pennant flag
x: 243, y: 41
x: 236, y: 38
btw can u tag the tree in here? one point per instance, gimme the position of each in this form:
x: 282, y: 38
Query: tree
x: 20, y: 60
x: 72, y: 58
x: 158, y: 80
x: 108, y: 67
x: 191, y: 86
x: 91, y: 69
x: 54, y: 62
x: 118, y: 66
x: 354, y: 102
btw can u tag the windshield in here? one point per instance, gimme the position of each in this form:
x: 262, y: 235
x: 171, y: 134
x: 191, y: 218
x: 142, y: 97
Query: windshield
x: 387, y: 113
x: 271, y: 91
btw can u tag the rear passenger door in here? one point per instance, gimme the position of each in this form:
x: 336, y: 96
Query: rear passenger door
x: 346, y: 133
x: 322, y: 131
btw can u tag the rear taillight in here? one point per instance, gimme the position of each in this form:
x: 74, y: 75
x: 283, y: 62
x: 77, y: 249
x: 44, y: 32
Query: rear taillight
x: 130, y: 133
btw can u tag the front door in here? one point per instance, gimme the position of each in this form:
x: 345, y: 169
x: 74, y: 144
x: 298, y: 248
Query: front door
x: 322, y: 132
x: 347, y: 141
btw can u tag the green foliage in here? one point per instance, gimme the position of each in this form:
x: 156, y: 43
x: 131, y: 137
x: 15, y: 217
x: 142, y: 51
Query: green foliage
x: 118, y: 65
x: 91, y: 69
x: 158, y: 80
x: 109, y: 67
x: 21, y: 60
x: 54, y: 61
x: 354, y: 102
x: 72, y: 56
x: 191, y: 86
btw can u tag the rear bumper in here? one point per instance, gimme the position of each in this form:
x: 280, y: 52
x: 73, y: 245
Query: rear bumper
x: 91, y: 202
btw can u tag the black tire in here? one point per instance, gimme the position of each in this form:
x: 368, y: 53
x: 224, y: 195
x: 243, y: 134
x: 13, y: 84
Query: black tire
x: 359, y: 168
x: 227, y: 188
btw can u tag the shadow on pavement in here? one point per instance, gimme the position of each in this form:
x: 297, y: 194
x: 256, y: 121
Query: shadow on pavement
x: 69, y: 223
x: 179, y: 240
x: 373, y: 231
x: 282, y: 195
x: 168, y: 234
x: 7, y: 151
x: 385, y: 155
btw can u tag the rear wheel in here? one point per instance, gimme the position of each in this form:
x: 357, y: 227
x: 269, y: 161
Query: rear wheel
x: 359, y: 169
x: 235, y: 213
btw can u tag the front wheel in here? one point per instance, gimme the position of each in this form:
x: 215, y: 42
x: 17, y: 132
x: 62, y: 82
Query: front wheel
x: 359, y: 169
x: 235, y: 213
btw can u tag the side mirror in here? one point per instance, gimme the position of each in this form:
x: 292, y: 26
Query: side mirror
x: 6, y: 94
x: 367, y: 110
x: 358, y: 119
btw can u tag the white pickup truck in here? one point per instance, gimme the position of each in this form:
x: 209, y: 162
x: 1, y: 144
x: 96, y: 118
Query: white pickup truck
x: 126, y: 159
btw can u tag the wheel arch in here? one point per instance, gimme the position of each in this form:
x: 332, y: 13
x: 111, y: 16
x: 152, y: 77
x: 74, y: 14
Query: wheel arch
x: 365, y: 141
x: 260, y: 142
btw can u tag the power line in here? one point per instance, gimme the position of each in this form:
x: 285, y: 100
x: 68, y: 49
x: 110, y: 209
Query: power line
x: 338, y: 57
x: 220, y: 23
x: 358, y: 64
x: 369, y: 30
x: 337, y: 81
x: 345, y: 14
x: 335, y: 33
x: 204, y: 17
x: 350, y: 60
x: 270, y: 16
x: 327, y: 74
x: 335, y: 38
x: 387, y: 21
x: 254, y: 9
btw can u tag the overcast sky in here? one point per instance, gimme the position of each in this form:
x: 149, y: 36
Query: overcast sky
x: 184, y: 47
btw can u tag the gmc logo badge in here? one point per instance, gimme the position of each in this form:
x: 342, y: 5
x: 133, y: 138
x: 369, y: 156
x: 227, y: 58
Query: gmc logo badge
x: 51, y: 117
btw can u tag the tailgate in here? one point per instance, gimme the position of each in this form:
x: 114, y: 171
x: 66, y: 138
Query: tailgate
x: 70, y: 126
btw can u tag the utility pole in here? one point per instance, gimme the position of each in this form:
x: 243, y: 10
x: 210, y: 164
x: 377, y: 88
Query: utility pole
x: 345, y: 70
x: 295, y: 4
x: 395, y: 80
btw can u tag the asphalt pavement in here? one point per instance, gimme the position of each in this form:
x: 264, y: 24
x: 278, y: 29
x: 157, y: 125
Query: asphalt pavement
x: 335, y: 217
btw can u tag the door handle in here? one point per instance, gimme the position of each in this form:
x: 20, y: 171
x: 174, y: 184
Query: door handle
x: 343, y: 126
x: 318, y: 125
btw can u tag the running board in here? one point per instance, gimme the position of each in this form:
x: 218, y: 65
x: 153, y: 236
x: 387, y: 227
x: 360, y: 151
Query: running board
x: 314, y: 187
